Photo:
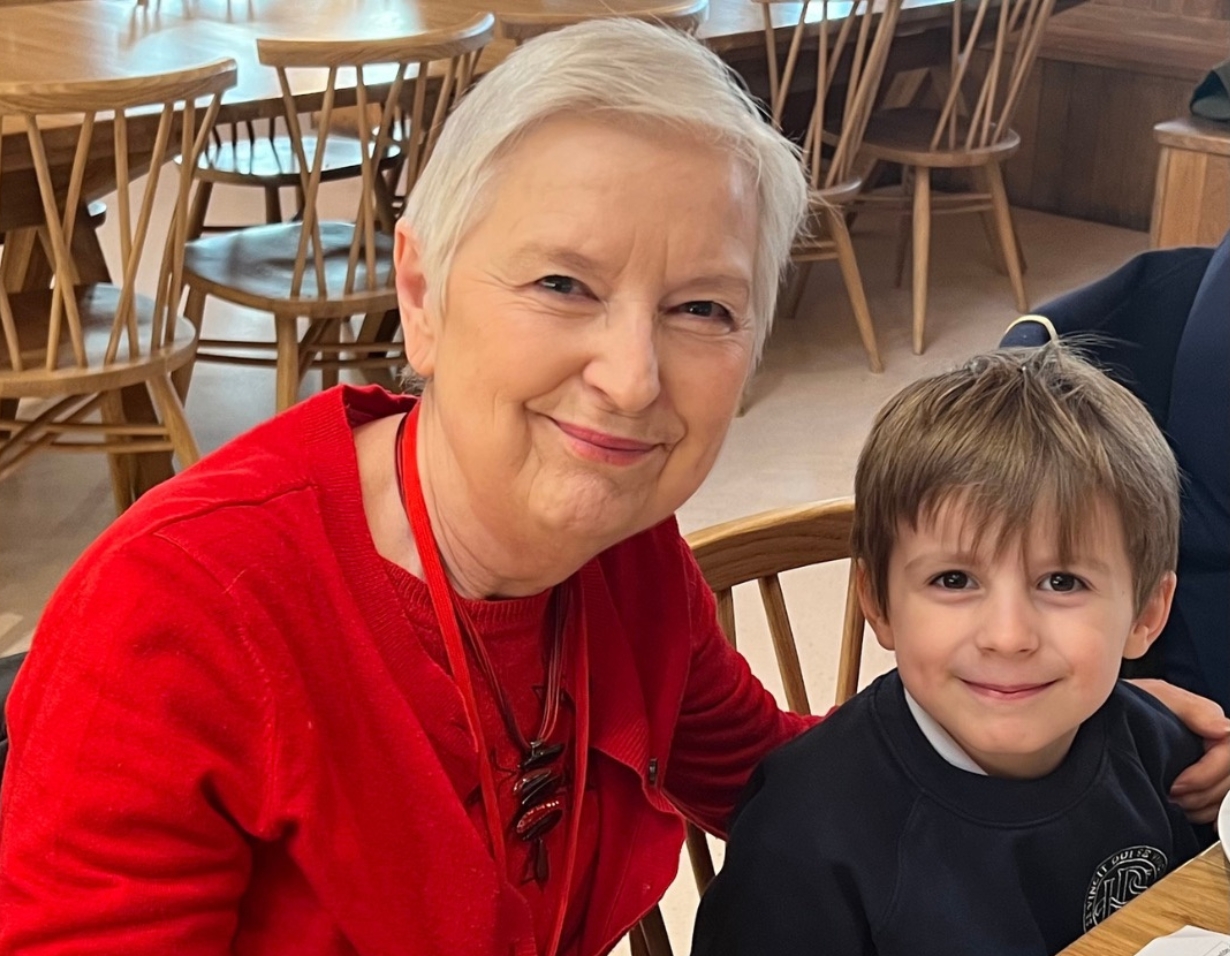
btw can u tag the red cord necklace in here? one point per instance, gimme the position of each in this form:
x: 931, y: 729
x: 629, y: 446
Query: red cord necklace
x: 541, y: 805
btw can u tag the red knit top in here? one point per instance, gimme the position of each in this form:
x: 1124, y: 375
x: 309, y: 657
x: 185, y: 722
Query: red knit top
x: 236, y: 733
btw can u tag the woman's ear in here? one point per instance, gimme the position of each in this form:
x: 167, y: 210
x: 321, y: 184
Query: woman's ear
x: 417, y: 323
x: 871, y: 610
x: 1152, y: 618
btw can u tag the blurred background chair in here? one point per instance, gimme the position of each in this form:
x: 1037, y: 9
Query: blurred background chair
x: 315, y: 274
x: 73, y: 352
x: 1161, y: 327
x: 522, y: 25
x: 837, y: 96
x: 994, y: 47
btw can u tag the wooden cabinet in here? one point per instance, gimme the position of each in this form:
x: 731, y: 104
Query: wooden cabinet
x: 1191, y: 203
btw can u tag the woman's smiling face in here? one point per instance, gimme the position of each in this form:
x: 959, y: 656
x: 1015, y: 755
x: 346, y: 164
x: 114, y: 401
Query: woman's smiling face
x: 596, y: 335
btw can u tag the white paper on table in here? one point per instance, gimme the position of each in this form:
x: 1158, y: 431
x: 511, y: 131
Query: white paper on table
x: 1189, y: 941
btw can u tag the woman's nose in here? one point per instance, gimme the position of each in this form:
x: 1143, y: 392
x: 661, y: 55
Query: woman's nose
x: 624, y: 362
x: 1008, y: 623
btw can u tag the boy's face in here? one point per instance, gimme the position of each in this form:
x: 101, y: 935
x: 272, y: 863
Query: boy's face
x: 1010, y: 653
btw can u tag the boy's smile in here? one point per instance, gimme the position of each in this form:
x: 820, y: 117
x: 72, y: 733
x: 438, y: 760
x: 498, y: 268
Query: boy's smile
x: 1012, y: 651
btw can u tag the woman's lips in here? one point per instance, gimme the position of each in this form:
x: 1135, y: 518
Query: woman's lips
x: 1007, y: 692
x: 603, y: 447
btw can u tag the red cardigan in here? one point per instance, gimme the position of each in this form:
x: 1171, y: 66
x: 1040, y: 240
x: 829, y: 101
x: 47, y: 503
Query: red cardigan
x: 230, y: 735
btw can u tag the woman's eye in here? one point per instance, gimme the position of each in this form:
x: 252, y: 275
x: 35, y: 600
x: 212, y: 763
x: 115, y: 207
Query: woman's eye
x: 1062, y: 583
x: 706, y: 309
x: 564, y: 285
x: 953, y: 581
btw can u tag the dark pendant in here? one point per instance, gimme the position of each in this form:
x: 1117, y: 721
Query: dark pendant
x: 539, y: 856
x: 537, y: 822
x: 541, y: 753
x: 536, y: 786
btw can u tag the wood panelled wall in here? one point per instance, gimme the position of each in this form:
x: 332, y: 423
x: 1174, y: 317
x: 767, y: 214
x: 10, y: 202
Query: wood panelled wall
x: 1109, y: 71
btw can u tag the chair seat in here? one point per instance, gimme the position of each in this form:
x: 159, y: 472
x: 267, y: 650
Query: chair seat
x: 904, y: 136
x: 255, y: 266
x: 272, y: 162
x: 97, y: 305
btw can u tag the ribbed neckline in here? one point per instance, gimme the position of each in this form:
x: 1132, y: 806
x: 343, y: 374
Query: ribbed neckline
x: 988, y: 800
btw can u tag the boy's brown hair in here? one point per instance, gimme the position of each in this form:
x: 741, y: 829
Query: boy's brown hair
x: 1010, y: 431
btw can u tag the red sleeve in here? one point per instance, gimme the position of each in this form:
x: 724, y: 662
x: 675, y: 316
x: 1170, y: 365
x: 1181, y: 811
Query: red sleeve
x: 142, y: 749
x: 727, y: 723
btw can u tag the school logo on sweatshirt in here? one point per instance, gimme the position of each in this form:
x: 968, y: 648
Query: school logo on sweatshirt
x: 1121, y: 878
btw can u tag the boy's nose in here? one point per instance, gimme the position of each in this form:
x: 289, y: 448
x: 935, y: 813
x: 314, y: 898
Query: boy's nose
x: 1009, y: 625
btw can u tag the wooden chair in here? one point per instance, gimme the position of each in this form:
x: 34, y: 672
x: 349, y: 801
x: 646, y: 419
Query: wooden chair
x: 970, y: 130
x: 256, y: 155
x: 851, y: 54
x: 761, y: 548
x: 519, y: 26
x: 80, y: 347
x: 316, y: 274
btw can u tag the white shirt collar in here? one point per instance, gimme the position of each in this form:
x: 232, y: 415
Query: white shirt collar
x: 940, y: 739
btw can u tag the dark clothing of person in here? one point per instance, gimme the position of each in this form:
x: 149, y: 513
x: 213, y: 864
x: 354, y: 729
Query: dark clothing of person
x: 858, y: 838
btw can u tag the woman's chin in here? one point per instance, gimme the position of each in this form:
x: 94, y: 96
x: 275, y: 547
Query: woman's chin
x: 596, y: 516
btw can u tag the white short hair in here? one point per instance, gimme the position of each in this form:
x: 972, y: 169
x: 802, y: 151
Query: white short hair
x: 627, y: 70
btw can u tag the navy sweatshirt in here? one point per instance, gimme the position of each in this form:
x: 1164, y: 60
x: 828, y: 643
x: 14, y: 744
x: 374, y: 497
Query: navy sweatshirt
x: 858, y: 838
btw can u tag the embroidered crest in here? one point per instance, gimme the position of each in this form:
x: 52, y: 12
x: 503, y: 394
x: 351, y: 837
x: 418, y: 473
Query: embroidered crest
x: 1121, y: 878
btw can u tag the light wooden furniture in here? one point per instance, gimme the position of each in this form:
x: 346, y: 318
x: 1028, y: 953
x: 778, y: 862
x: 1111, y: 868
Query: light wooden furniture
x: 71, y: 350
x: 1108, y: 71
x: 522, y: 25
x: 852, y: 52
x: 970, y: 130
x: 760, y: 548
x: 1191, y: 201
x: 256, y: 155
x: 1196, y: 894
x: 314, y: 275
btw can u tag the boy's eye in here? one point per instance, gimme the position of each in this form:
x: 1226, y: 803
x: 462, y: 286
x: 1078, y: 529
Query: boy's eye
x: 953, y: 580
x: 1062, y: 582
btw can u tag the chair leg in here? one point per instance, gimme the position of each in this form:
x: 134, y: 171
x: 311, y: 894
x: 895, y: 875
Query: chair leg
x: 273, y: 205
x: 794, y: 290
x: 903, y: 227
x: 922, y: 250
x: 332, y: 335
x: 200, y: 207
x: 854, y: 285
x: 988, y: 224
x: 118, y: 464
x: 194, y: 312
x: 379, y: 327
x: 171, y: 412
x: 652, y: 929
x: 1007, y: 236
x: 8, y: 412
x: 288, y: 362
x: 699, y: 855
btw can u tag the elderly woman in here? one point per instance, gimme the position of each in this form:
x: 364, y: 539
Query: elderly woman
x: 442, y: 677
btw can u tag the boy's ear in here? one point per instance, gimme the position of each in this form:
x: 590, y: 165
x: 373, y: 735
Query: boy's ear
x: 417, y: 324
x: 878, y: 621
x: 1152, y: 618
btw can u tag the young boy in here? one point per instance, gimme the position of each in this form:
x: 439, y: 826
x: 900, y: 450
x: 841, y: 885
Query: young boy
x: 1000, y: 792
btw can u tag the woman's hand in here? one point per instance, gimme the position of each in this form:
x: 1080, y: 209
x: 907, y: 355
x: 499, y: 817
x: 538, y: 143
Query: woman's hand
x: 1200, y: 788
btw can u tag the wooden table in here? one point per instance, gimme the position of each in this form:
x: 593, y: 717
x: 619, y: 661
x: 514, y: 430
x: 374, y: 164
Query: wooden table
x: 1196, y: 894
